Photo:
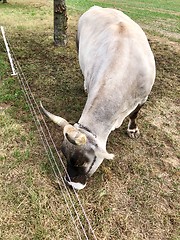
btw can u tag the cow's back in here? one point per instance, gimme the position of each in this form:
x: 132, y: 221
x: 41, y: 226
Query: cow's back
x: 108, y: 38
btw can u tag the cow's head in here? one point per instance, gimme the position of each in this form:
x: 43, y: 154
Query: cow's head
x: 82, y: 151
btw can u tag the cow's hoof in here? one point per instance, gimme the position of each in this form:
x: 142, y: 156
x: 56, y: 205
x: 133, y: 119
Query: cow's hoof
x: 133, y: 133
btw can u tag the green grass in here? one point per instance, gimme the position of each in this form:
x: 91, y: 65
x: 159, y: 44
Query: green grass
x: 133, y: 197
x: 9, y: 91
x: 158, y: 5
x: 3, y: 65
x: 161, y: 17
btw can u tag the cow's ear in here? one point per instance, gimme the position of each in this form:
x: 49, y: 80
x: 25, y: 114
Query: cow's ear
x: 104, y: 154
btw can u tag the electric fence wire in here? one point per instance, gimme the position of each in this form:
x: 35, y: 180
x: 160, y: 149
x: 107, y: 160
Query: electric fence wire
x: 31, y: 102
x: 38, y: 124
x: 75, y: 192
x: 48, y: 150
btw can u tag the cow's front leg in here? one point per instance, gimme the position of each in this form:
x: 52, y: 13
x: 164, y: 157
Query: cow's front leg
x: 133, y: 130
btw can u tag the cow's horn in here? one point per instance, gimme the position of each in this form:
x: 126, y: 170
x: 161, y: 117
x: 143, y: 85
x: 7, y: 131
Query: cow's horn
x: 56, y: 119
x: 74, y: 136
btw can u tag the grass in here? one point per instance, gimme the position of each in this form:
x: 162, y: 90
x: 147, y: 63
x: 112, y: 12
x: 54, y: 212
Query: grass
x: 161, y: 17
x: 133, y: 197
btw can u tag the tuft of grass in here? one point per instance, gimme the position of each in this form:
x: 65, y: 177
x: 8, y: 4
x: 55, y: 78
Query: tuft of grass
x: 9, y: 90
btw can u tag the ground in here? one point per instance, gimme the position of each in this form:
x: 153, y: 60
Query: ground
x: 133, y: 197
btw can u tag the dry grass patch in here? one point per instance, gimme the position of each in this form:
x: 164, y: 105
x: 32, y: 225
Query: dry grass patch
x: 27, y: 16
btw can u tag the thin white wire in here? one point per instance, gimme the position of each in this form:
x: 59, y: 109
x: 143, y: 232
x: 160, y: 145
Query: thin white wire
x: 46, y: 146
x: 36, y: 120
x: 60, y: 172
x: 76, y: 194
x: 60, y: 177
x: 90, y: 227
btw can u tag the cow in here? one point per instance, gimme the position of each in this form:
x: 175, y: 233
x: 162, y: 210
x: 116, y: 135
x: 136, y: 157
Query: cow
x: 119, y: 71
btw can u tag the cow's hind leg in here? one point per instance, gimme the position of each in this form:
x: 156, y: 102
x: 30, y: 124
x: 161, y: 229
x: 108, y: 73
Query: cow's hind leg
x: 133, y: 130
x: 77, y: 43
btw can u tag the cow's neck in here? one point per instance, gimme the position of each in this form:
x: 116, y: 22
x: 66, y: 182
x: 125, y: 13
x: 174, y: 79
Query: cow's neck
x: 101, y: 132
x: 83, y: 127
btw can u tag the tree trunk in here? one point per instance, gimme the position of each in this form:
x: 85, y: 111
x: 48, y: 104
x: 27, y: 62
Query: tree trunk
x: 60, y: 23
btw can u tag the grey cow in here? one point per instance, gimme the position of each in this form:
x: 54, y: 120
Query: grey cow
x: 119, y: 72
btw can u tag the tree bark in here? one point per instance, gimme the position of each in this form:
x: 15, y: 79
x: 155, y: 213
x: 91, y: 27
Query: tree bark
x: 60, y: 23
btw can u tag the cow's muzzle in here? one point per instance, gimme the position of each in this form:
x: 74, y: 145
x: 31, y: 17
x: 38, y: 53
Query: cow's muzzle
x: 76, y: 185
